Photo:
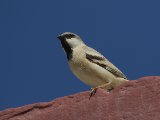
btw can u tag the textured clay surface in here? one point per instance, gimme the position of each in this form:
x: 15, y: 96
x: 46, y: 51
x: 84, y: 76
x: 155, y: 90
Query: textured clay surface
x: 134, y: 100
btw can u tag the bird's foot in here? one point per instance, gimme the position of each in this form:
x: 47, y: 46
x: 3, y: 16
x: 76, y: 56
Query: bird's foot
x: 92, y: 92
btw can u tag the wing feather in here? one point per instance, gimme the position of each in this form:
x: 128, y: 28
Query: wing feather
x: 95, y: 57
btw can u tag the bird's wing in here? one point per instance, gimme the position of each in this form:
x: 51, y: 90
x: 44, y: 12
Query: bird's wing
x: 95, y: 57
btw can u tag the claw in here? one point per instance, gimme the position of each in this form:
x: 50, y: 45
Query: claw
x: 93, y: 92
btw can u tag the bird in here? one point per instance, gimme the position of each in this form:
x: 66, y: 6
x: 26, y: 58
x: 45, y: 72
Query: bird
x: 90, y: 66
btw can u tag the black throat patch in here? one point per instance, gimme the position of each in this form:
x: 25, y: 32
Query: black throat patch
x: 67, y: 49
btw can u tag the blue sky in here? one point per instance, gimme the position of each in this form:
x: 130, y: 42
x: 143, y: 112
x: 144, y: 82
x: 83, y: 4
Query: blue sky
x: 33, y: 66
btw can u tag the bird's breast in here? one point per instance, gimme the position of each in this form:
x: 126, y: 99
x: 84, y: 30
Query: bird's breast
x: 85, y: 71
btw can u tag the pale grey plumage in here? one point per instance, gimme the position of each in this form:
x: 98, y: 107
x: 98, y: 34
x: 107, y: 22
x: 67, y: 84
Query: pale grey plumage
x: 88, y: 65
x: 109, y: 66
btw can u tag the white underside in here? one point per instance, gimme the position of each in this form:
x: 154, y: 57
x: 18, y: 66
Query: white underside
x: 91, y: 73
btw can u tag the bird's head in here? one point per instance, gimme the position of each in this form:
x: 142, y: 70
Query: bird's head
x: 69, y: 41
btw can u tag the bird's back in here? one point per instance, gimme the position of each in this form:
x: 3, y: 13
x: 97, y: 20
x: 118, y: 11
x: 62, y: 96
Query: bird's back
x: 104, y: 61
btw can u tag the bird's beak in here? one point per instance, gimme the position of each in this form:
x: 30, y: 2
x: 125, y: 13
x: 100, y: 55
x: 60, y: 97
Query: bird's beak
x: 59, y: 37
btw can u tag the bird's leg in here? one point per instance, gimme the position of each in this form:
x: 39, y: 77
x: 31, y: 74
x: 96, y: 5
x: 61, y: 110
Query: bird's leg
x: 103, y: 86
x: 92, y: 92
